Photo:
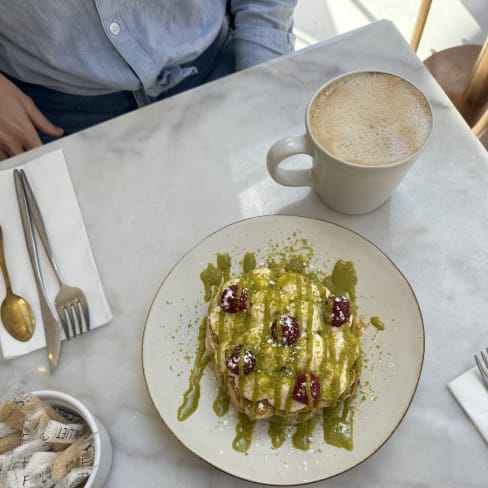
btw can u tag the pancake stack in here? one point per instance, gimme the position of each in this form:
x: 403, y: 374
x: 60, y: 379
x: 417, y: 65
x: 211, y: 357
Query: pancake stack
x: 281, y: 346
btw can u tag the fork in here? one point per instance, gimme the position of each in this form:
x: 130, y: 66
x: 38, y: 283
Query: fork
x: 483, y: 366
x: 70, y: 302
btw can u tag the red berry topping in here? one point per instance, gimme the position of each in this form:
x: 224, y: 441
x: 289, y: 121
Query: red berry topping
x: 234, y: 360
x: 290, y: 331
x: 232, y: 301
x: 306, y: 383
x: 243, y: 300
x: 340, y: 311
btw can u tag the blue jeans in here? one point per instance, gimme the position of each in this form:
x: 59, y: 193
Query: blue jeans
x: 76, y: 112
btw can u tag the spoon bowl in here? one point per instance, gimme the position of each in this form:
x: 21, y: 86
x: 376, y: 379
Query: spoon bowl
x: 17, y: 317
x: 15, y: 312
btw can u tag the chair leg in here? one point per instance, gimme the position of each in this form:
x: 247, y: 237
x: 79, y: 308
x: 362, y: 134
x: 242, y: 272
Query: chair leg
x: 480, y: 127
x: 420, y: 24
x: 476, y: 91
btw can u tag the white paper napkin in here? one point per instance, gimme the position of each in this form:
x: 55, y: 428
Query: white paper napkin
x: 51, y: 183
x: 469, y: 390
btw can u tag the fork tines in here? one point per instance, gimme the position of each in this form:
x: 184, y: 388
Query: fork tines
x: 483, y: 366
x: 74, y: 317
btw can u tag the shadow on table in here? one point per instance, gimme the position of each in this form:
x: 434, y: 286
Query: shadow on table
x: 312, y: 206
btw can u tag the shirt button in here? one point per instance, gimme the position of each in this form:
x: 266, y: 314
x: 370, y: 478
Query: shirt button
x: 114, y: 28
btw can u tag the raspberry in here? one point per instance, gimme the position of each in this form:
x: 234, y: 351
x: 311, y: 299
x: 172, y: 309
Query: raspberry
x: 340, y: 311
x: 290, y: 330
x: 300, y: 389
x: 231, y: 301
x: 243, y: 301
x: 248, y: 360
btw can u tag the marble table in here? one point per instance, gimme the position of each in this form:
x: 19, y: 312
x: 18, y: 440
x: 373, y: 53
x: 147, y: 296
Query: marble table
x: 146, y: 186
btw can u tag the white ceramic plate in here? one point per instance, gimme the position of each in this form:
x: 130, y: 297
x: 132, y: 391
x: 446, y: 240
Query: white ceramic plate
x: 395, y: 355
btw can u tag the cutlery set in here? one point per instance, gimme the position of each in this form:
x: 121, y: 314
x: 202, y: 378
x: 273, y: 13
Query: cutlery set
x: 69, y: 312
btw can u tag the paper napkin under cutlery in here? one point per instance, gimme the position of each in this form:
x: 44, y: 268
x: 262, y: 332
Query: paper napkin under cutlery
x: 471, y: 393
x: 51, y: 183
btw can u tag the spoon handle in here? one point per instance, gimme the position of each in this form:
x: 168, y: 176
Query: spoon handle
x: 3, y: 264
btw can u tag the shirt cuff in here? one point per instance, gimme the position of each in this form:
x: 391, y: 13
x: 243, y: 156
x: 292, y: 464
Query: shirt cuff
x: 253, y: 45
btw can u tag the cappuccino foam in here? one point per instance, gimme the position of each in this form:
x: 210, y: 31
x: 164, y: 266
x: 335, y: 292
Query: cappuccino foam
x: 370, y: 119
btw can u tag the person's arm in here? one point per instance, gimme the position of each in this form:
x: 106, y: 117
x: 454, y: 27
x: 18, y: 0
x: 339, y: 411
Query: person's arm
x: 262, y: 30
x: 19, y: 121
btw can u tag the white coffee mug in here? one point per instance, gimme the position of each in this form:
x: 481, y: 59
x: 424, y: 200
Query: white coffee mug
x: 364, y: 131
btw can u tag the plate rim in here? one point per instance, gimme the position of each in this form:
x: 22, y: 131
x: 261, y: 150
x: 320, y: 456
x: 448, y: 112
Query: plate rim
x: 300, y: 217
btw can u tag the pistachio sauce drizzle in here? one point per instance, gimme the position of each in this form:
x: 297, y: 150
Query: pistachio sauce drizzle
x: 377, y: 322
x: 337, y: 420
x: 192, y: 394
x: 302, y: 438
x: 244, y: 429
x: 221, y: 403
x: 277, y: 434
x: 338, y: 423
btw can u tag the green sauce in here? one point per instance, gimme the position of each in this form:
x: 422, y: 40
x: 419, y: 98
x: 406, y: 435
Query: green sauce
x: 221, y: 403
x: 302, y: 438
x: 343, y: 279
x: 336, y: 421
x: 192, y: 394
x: 249, y: 262
x: 377, y: 322
x: 211, y: 278
x: 244, y: 429
x: 224, y: 263
x: 277, y: 434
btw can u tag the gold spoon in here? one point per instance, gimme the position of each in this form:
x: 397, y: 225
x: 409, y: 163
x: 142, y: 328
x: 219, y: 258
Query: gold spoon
x: 16, y: 313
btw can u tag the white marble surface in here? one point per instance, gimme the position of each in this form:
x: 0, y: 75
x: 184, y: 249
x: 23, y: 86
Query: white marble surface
x: 147, y: 183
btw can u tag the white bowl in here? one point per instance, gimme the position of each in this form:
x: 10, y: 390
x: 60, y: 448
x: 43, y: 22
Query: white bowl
x: 102, y: 445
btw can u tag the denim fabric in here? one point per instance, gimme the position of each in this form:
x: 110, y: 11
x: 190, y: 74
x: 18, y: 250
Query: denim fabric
x: 74, y: 112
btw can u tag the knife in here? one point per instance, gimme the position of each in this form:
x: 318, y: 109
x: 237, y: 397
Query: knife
x: 52, y: 326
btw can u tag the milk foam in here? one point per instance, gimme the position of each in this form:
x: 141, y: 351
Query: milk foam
x: 371, y: 119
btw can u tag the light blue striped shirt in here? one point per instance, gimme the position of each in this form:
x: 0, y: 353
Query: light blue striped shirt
x: 92, y: 47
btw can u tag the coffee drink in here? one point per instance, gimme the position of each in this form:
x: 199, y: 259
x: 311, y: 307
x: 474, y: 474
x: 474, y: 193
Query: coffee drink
x: 364, y: 131
x: 370, y: 118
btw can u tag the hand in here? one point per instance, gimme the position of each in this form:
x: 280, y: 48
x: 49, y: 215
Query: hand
x: 19, y: 119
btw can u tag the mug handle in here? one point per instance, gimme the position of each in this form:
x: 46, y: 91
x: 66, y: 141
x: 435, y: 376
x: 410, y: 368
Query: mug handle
x: 283, y: 149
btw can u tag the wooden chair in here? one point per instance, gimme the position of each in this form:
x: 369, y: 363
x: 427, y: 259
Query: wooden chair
x: 462, y: 72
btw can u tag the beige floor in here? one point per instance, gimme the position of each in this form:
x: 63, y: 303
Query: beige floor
x: 450, y: 22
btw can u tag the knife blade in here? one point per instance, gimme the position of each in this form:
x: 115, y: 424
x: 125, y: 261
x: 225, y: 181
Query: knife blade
x: 52, y: 326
